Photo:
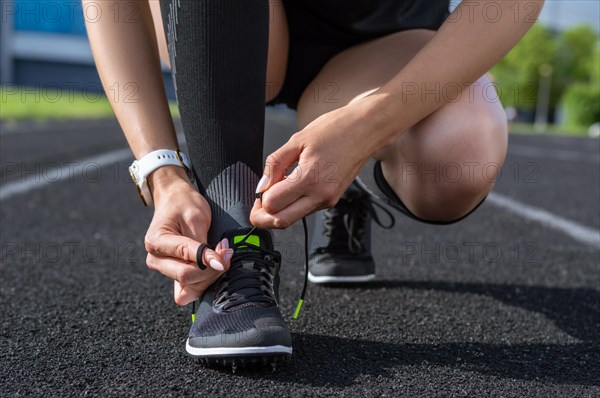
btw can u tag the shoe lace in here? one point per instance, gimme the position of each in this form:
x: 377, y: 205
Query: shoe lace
x: 236, y: 287
x: 260, y: 277
x: 350, y: 216
x: 261, y: 250
x: 226, y: 293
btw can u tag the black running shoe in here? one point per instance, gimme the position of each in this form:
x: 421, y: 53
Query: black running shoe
x: 239, y: 321
x: 342, y: 239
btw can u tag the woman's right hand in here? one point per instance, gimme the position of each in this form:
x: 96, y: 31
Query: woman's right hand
x: 180, y: 223
x: 181, y: 217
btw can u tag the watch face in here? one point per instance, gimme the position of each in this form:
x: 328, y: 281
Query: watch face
x: 182, y: 162
x: 141, y: 196
x: 180, y: 158
x: 132, y: 170
x: 187, y: 169
x: 133, y: 177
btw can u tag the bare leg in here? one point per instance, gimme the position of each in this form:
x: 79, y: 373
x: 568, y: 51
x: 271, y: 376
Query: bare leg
x: 443, y: 166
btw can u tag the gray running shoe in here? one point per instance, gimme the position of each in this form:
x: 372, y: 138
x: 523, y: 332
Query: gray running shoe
x: 239, y: 321
x: 341, y: 249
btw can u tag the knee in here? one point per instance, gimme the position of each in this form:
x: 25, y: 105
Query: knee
x: 465, y: 170
x: 450, y: 202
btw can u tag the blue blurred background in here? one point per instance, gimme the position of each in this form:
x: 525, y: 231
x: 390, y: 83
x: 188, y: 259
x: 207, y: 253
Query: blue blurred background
x: 43, y: 46
x: 43, y: 43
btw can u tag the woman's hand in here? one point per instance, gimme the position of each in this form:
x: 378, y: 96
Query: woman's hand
x: 330, y: 152
x: 180, y: 223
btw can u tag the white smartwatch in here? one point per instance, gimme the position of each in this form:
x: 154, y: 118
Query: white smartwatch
x: 141, y: 169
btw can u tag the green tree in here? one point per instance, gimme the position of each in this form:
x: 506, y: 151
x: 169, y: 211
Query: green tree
x: 582, y: 98
x: 573, y: 81
x: 575, y: 59
x: 576, y: 50
x: 517, y: 74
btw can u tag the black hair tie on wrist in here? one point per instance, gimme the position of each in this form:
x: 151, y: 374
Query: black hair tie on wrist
x: 200, y: 254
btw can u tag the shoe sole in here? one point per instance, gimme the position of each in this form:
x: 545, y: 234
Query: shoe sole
x: 236, y: 351
x: 240, y: 356
x: 340, y: 279
x: 249, y: 363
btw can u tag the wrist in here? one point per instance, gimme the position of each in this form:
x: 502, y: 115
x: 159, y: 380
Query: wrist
x: 173, y: 165
x: 380, y: 113
x: 165, y: 179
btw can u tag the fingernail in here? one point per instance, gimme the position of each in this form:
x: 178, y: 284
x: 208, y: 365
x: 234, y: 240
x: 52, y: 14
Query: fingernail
x: 216, y: 265
x: 228, y: 255
x: 262, y: 184
x: 224, y: 244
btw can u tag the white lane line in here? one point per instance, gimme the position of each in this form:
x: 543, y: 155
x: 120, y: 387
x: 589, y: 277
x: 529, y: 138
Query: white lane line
x: 579, y: 232
x: 556, y: 154
x: 73, y: 169
x: 8, y: 128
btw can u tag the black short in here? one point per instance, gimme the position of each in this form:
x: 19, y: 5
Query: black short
x: 319, y: 29
x: 372, y: 180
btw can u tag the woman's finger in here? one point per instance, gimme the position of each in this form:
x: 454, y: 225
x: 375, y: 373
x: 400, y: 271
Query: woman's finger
x: 171, y: 245
x: 219, y: 258
x: 185, y: 249
x: 185, y: 294
x: 283, y: 219
x: 283, y: 193
x: 277, y: 164
x: 181, y: 271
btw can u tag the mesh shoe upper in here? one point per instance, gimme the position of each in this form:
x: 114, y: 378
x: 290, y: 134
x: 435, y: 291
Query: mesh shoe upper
x: 344, y: 237
x: 241, y: 308
x: 345, y: 224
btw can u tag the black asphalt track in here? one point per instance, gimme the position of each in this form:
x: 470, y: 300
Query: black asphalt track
x: 496, y: 305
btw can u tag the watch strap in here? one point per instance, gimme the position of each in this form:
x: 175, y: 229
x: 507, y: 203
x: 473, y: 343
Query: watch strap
x: 140, y: 169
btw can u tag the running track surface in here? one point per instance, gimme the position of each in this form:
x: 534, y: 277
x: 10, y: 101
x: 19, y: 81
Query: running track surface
x: 498, y: 305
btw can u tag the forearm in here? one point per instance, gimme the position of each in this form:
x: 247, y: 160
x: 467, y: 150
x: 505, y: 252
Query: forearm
x: 467, y: 45
x: 126, y: 55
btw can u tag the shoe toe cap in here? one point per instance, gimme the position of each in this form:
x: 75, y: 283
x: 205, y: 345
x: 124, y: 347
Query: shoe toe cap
x: 260, y: 331
x: 334, y: 265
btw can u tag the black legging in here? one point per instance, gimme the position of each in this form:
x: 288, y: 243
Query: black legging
x: 218, y: 51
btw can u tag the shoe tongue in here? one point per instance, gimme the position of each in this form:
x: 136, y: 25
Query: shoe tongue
x: 258, y: 237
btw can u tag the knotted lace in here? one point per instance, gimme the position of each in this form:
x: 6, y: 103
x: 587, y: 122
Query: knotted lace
x: 254, y: 285
x: 345, y: 224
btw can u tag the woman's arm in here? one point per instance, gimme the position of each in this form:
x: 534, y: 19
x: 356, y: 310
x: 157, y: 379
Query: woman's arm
x: 475, y: 36
x: 125, y: 50
x: 126, y: 54
x: 473, y: 39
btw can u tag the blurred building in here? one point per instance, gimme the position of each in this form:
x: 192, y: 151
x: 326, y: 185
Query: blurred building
x: 43, y: 43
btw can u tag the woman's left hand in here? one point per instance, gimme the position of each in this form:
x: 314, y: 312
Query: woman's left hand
x: 330, y: 153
